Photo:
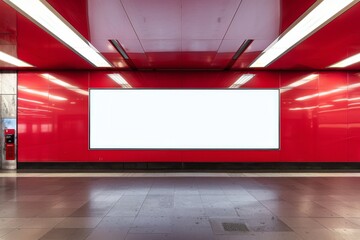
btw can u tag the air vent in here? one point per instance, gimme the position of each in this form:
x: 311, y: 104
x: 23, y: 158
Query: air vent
x: 235, y: 227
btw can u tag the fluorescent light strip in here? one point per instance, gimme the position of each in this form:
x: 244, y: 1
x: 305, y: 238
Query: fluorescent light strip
x: 119, y: 80
x: 59, y: 82
x: 242, y: 48
x: 242, y: 80
x: 119, y: 48
x: 324, y: 12
x: 40, y: 12
x: 13, y: 60
x: 347, y: 62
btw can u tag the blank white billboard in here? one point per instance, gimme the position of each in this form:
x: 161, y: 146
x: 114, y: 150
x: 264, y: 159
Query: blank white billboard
x: 184, y: 119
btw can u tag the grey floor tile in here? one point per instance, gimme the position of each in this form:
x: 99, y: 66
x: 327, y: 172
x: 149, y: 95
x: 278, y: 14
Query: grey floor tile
x: 67, y: 234
x: 101, y: 208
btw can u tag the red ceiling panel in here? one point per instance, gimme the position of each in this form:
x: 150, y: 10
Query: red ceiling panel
x: 7, y: 32
x: 38, y: 48
x: 334, y: 42
x: 180, y: 34
x: 292, y: 10
x: 75, y: 12
x: 7, y: 20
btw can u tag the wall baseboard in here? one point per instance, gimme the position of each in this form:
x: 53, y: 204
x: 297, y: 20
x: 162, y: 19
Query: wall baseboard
x: 185, y: 166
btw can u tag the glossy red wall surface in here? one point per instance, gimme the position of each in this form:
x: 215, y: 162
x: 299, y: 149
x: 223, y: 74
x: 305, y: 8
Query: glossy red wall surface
x: 320, y: 116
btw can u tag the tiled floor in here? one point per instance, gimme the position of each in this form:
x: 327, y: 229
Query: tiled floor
x: 221, y: 206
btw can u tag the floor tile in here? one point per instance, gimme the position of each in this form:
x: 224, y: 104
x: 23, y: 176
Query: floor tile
x: 79, y: 222
x: 25, y: 234
x: 67, y: 234
x: 99, y: 206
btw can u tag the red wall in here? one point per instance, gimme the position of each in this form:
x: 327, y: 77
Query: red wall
x: 317, y: 129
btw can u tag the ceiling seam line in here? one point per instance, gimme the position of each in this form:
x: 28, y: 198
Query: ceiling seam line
x: 137, y: 36
x: 227, y: 30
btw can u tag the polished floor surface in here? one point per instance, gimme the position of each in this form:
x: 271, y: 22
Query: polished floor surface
x: 191, y: 206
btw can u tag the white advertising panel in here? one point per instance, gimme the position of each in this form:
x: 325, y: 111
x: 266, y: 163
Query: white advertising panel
x: 184, y: 119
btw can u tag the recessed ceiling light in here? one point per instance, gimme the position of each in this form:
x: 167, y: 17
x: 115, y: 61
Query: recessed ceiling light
x: 119, y: 48
x: 242, y: 48
x: 13, y: 60
x: 119, y: 80
x: 242, y: 80
x: 347, y: 62
x: 318, y: 15
x: 42, y: 14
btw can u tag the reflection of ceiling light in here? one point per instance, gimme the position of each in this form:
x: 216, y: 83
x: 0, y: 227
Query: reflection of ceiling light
x: 346, y: 99
x: 28, y: 100
x: 119, y: 80
x: 304, y: 108
x: 80, y: 91
x: 32, y: 109
x: 44, y: 94
x: 41, y: 13
x: 340, y: 100
x: 300, y: 82
x: 323, y: 12
x: 50, y: 107
x: 13, y: 60
x: 312, y: 107
x: 339, y: 89
x: 352, y: 104
x: 66, y: 85
x: 320, y: 94
x: 326, y: 106
x: 242, y: 80
x: 347, y: 62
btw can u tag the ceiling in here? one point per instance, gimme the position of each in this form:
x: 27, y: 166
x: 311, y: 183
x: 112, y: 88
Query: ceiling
x: 180, y: 34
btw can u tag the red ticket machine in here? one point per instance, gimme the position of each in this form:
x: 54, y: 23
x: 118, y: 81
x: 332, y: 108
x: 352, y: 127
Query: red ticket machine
x: 9, y: 144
